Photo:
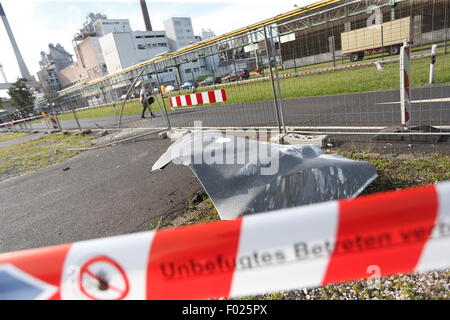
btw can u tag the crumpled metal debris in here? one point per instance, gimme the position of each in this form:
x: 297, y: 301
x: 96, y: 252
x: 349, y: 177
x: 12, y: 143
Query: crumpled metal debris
x: 247, y: 176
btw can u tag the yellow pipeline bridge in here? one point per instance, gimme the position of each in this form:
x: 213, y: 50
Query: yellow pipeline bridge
x: 205, y: 43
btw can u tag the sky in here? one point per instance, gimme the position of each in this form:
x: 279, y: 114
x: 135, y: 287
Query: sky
x: 36, y: 23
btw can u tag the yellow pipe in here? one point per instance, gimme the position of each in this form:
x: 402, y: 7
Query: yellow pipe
x: 205, y: 43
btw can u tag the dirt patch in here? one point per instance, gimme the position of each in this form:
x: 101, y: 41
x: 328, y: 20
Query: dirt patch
x: 348, y: 143
x: 199, y: 209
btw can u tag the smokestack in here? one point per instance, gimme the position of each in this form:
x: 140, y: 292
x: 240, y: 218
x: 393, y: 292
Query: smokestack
x: 23, y: 68
x: 148, y: 24
x: 3, y: 74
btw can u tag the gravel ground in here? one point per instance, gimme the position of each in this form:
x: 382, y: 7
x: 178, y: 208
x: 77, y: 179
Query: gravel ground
x: 425, y: 286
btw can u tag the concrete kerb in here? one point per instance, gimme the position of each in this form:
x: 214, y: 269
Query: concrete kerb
x: 105, y: 139
x: 124, y: 134
x: 254, y: 133
x: 296, y: 139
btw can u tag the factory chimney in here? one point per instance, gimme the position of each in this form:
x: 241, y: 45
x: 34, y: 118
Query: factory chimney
x: 3, y: 74
x: 23, y: 68
x: 148, y: 24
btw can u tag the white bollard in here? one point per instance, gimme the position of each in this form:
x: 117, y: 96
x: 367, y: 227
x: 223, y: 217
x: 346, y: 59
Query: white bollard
x: 433, y: 63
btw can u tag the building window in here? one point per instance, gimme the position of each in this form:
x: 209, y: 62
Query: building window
x: 188, y: 71
x: 141, y: 47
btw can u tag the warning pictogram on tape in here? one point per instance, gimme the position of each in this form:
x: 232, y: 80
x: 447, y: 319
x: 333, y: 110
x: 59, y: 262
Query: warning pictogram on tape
x: 101, y: 278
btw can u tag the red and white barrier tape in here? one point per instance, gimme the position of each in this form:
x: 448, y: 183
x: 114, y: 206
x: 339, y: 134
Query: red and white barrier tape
x: 198, y: 98
x: 10, y: 123
x: 398, y: 232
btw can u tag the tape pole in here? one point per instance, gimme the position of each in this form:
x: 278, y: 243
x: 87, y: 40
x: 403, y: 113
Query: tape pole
x: 54, y: 121
x: 395, y: 232
x: 405, y: 83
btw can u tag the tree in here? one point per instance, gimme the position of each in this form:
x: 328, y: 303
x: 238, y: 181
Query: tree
x: 21, y: 96
x: 1, y: 103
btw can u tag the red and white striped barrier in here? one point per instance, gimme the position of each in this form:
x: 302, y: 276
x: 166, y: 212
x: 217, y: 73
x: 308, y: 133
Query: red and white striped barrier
x: 405, y: 83
x: 397, y: 232
x: 198, y: 98
x: 14, y: 122
x: 54, y: 120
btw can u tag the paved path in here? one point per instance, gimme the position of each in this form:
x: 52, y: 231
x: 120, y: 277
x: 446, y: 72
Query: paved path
x: 27, y: 138
x: 106, y: 192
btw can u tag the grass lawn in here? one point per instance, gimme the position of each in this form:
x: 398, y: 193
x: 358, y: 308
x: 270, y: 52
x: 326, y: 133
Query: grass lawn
x: 11, y: 136
x: 131, y: 107
x: 37, y: 154
x: 425, y: 49
x: 355, y: 80
x: 341, y: 81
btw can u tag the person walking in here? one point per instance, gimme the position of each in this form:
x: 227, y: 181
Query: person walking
x: 146, y: 100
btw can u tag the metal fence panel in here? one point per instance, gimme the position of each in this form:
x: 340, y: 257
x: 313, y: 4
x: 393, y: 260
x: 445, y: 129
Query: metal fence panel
x: 335, y: 68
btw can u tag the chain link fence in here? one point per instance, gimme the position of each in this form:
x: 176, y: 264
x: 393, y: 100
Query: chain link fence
x: 332, y: 67
x: 21, y: 121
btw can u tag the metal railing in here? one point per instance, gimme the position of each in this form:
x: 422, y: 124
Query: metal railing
x: 332, y: 67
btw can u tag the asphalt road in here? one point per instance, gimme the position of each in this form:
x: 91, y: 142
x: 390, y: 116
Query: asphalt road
x: 379, y: 108
x: 106, y: 192
x: 23, y: 139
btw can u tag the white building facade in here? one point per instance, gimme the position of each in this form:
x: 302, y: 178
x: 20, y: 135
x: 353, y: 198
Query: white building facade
x: 125, y: 49
x: 180, y: 33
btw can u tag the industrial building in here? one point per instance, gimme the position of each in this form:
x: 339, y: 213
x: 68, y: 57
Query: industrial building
x: 316, y: 37
x: 180, y: 33
x: 124, y: 49
x: 106, y: 46
x: 51, y: 64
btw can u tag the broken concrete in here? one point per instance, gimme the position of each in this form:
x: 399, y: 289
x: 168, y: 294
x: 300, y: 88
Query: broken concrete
x: 163, y: 135
x: 177, y: 134
x: 300, y: 139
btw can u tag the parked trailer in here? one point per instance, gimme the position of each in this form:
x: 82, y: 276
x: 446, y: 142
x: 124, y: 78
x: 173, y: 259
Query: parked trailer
x: 388, y: 36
